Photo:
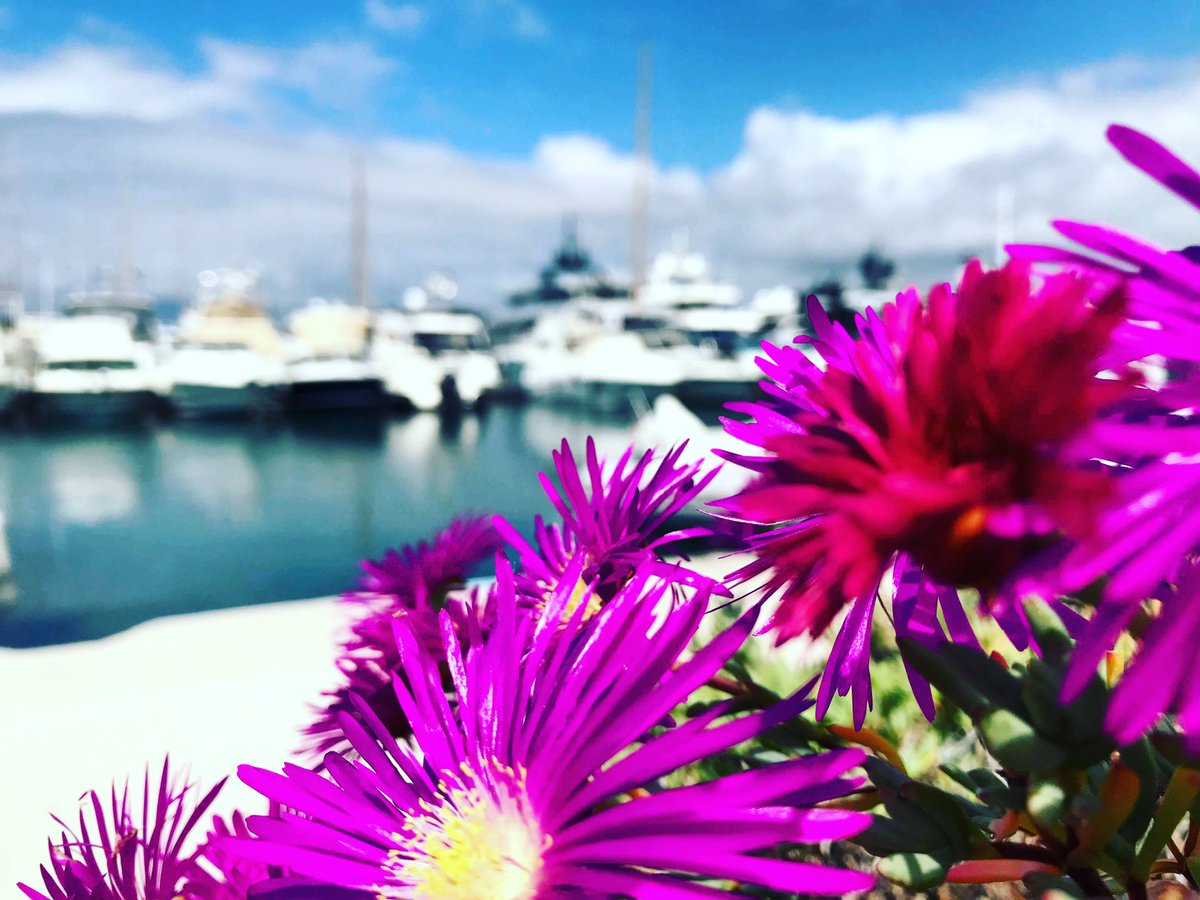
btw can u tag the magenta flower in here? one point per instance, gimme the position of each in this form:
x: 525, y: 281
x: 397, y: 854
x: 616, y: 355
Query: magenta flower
x: 1161, y: 677
x: 1153, y: 522
x: 415, y: 583
x: 222, y: 875
x: 543, y: 781
x: 122, y: 855
x: 937, y: 445
x: 618, y: 520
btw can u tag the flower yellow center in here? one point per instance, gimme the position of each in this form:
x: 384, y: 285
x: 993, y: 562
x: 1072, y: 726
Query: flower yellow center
x: 577, y: 595
x: 479, y: 843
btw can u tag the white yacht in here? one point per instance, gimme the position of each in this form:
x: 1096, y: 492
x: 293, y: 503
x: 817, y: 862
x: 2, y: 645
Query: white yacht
x: 432, y: 354
x: 432, y: 358
x: 14, y: 370
x: 91, y: 367
x: 228, y: 358
x: 713, y: 336
x: 328, y: 358
x: 572, y: 300
x: 622, y: 371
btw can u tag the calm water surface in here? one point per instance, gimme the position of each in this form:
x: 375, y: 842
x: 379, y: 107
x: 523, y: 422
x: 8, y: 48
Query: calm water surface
x: 108, y: 528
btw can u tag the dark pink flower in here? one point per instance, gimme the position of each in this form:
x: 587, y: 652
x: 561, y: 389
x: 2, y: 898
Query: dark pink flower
x: 938, y: 444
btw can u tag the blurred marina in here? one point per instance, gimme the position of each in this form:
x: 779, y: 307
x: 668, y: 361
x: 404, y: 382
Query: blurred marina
x: 252, y: 448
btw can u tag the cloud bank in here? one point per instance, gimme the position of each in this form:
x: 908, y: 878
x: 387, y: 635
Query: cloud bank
x: 116, y: 156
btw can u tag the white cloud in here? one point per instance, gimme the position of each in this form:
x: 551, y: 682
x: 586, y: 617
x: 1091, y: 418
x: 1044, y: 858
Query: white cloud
x: 526, y: 23
x: 805, y: 188
x: 519, y: 18
x: 335, y: 72
x: 202, y: 195
x: 83, y: 80
x: 598, y: 178
x: 405, y: 18
x: 803, y: 195
x: 102, y: 80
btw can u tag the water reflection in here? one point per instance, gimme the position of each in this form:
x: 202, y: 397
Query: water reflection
x: 92, y: 481
x: 544, y: 427
x: 8, y: 584
x: 215, y: 471
x: 108, y: 529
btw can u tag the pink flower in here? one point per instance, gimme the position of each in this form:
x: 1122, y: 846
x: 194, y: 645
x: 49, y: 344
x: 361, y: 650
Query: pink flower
x: 940, y: 444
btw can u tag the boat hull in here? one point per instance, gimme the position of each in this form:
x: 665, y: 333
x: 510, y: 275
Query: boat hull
x: 93, y: 406
x: 204, y: 400
x: 365, y: 393
x: 606, y: 396
x: 716, y: 392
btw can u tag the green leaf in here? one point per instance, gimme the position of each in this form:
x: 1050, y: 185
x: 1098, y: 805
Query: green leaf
x: 1016, y: 745
x: 1051, y: 635
x: 915, y: 871
x: 1139, y: 757
x: 1047, y: 803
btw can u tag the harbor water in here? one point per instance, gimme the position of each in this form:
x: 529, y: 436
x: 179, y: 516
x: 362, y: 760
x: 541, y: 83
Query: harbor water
x: 110, y: 527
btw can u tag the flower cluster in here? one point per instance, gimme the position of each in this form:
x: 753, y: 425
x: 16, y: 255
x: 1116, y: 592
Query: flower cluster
x: 528, y: 787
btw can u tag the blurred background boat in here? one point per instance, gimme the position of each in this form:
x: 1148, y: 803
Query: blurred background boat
x: 228, y: 356
x: 432, y: 354
x: 98, y: 360
x: 328, y: 360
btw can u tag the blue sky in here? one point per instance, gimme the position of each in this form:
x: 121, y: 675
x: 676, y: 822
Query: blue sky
x: 787, y: 136
x: 492, y: 77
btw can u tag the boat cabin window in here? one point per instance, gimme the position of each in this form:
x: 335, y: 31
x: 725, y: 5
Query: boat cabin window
x: 727, y: 343
x: 214, y: 345
x: 663, y: 339
x: 438, y: 342
x: 644, y: 323
x: 91, y: 365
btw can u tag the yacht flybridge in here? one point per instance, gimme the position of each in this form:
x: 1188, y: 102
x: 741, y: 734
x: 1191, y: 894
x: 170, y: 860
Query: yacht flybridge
x: 328, y: 358
x: 432, y: 354
x: 229, y: 356
x: 91, y: 367
x: 718, y: 337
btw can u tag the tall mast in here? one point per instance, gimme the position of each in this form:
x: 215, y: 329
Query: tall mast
x: 127, y: 271
x: 1005, y: 213
x: 14, y: 278
x: 358, y: 234
x: 641, y: 171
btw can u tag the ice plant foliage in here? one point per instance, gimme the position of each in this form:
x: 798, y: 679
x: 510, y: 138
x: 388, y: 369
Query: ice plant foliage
x: 535, y: 784
x: 617, y: 518
x: 936, y: 444
x: 416, y: 583
x: 118, y: 854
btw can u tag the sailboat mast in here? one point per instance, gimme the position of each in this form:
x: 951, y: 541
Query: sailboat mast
x: 641, y: 172
x: 358, y: 234
x: 16, y: 202
x: 127, y: 271
x: 1005, y: 213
